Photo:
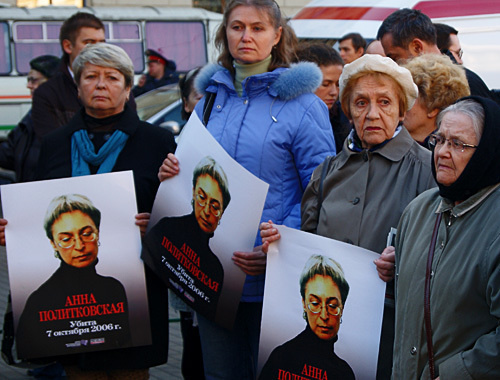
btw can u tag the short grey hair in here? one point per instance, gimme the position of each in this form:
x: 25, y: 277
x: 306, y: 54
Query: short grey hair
x: 63, y: 204
x: 324, y: 266
x: 105, y: 55
x: 467, y: 107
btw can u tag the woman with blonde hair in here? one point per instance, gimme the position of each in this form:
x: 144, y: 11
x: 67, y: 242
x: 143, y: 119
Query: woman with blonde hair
x: 440, y: 83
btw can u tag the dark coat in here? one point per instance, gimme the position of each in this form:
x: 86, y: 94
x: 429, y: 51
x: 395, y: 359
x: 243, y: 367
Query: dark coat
x: 20, y: 151
x: 56, y: 101
x: 306, y: 357
x: 340, y: 125
x: 143, y: 153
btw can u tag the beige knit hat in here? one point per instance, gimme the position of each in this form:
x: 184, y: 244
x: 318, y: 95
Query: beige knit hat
x: 379, y: 64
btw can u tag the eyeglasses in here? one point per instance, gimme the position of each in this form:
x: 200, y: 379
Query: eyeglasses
x: 457, y: 145
x: 87, y: 236
x: 315, y: 308
x: 214, y: 207
x: 459, y: 53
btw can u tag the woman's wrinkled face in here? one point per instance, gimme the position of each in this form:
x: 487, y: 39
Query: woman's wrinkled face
x: 207, y: 203
x: 450, y: 162
x: 250, y: 34
x: 322, y: 291
x: 102, y: 91
x: 328, y: 91
x: 374, y: 107
x: 75, y: 238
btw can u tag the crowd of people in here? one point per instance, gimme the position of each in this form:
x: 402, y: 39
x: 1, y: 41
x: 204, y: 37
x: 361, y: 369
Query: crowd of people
x: 396, y: 133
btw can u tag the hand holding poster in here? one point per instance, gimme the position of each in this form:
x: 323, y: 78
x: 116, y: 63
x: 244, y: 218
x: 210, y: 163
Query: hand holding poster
x: 211, y: 209
x: 322, y: 313
x: 92, y: 296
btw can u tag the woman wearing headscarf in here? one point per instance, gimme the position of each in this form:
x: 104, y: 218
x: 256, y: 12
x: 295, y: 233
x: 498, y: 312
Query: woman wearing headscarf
x: 360, y: 194
x: 448, y: 255
x: 265, y: 115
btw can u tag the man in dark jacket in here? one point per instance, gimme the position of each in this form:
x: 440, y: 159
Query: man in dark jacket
x: 56, y: 101
x: 161, y: 71
x: 20, y: 151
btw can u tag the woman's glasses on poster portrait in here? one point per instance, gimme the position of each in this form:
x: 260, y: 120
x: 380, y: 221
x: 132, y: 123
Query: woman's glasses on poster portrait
x: 332, y: 309
x: 87, y: 235
x: 215, y: 208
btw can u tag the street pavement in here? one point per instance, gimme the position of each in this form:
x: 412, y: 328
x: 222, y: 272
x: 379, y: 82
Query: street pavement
x: 169, y: 371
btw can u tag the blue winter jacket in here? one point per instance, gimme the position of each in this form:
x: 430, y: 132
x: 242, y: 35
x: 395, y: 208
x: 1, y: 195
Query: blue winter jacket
x: 278, y: 130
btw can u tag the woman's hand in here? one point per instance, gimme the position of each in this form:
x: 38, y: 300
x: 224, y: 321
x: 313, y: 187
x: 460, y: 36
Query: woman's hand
x: 385, y: 264
x: 252, y: 263
x: 268, y: 234
x: 169, y: 168
x: 3, y: 223
x: 142, y: 220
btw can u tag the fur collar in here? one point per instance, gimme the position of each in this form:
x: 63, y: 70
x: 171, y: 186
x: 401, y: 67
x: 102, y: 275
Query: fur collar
x: 300, y: 78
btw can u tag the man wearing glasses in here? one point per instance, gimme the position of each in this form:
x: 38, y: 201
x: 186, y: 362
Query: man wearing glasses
x: 408, y: 33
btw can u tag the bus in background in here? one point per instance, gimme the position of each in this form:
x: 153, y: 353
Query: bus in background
x: 477, y: 21
x: 184, y: 35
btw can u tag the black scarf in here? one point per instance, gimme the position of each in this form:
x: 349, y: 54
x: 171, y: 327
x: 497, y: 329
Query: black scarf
x: 483, y: 168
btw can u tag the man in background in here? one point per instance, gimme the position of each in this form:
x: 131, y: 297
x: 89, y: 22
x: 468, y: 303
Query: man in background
x: 20, y: 151
x: 448, y: 43
x: 161, y: 71
x: 351, y: 47
x: 408, y: 33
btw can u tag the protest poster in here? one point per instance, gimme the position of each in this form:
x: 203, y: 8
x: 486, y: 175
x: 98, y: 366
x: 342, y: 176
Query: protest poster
x: 322, y: 313
x: 211, y: 209
x: 76, y: 278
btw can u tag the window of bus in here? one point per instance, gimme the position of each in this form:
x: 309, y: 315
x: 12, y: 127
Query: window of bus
x: 127, y: 35
x: 5, y: 59
x: 182, y: 42
x: 32, y: 39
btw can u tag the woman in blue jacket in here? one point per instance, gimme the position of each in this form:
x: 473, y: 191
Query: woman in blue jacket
x: 267, y: 118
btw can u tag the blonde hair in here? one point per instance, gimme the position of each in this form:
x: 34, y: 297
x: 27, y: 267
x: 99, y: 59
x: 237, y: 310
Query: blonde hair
x: 440, y: 82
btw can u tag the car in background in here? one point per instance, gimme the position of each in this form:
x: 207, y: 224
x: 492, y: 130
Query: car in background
x: 162, y: 107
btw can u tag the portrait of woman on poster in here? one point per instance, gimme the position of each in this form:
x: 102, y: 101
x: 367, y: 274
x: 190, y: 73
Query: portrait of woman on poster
x: 324, y: 291
x: 210, y: 199
x: 72, y: 225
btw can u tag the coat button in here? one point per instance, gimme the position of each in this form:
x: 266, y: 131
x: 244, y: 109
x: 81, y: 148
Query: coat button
x: 245, y: 101
x: 355, y: 201
x: 413, y: 350
x: 365, y: 156
x: 219, y: 106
